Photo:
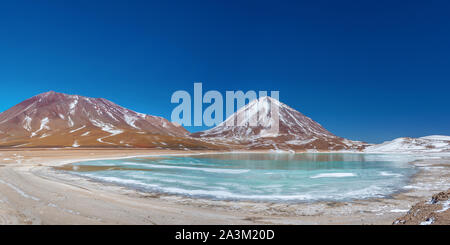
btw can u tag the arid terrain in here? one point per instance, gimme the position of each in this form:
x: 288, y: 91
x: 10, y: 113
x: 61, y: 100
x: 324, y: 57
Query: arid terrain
x: 41, y: 135
x: 33, y: 192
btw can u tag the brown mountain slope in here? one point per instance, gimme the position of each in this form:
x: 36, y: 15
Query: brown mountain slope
x: 60, y: 120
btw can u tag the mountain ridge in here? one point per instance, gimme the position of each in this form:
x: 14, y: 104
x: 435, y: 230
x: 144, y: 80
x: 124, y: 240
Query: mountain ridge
x: 54, y: 119
x: 425, y: 144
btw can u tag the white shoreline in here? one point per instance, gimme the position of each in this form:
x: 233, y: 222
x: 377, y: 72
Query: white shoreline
x: 249, y: 199
x: 93, y: 202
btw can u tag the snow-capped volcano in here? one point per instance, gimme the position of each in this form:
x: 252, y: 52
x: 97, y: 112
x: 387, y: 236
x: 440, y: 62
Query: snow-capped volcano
x: 255, y: 125
x: 427, y: 144
x: 56, y: 119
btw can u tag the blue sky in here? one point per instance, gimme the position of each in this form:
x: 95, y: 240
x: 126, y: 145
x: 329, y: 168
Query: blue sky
x: 365, y: 70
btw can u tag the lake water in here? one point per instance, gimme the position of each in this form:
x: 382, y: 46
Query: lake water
x: 259, y: 176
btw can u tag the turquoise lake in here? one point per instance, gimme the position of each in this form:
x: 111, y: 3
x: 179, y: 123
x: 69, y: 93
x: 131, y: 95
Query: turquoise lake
x: 260, y: 176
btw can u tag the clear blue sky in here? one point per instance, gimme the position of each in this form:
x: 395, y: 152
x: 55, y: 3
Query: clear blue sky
x: 365, y: 70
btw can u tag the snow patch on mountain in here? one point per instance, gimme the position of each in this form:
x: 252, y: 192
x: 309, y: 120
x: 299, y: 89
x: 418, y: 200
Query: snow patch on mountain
x: 78, y: 129
x: 106, y: 127
x: 300, y: 142
x: 27, y: 123
x: 437, y: 137
x: 44, y: 136
x: 73, y: 105
x: 131, y: 120
x: 70, y: 122
x: 427, y: 144
x: 44, y: 123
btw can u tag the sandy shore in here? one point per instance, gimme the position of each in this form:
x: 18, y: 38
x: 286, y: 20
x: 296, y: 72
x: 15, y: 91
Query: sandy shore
x: 32, y: 192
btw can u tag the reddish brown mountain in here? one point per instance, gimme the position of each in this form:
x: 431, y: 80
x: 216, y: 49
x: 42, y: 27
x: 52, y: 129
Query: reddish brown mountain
x: 60, y: 120
x: 296, y: 131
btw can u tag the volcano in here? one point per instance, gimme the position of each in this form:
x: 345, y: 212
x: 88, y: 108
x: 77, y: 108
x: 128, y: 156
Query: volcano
x: 60, y: 120
x: 252, y: 128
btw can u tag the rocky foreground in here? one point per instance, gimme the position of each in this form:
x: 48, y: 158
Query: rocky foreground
x: 432, y: 212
